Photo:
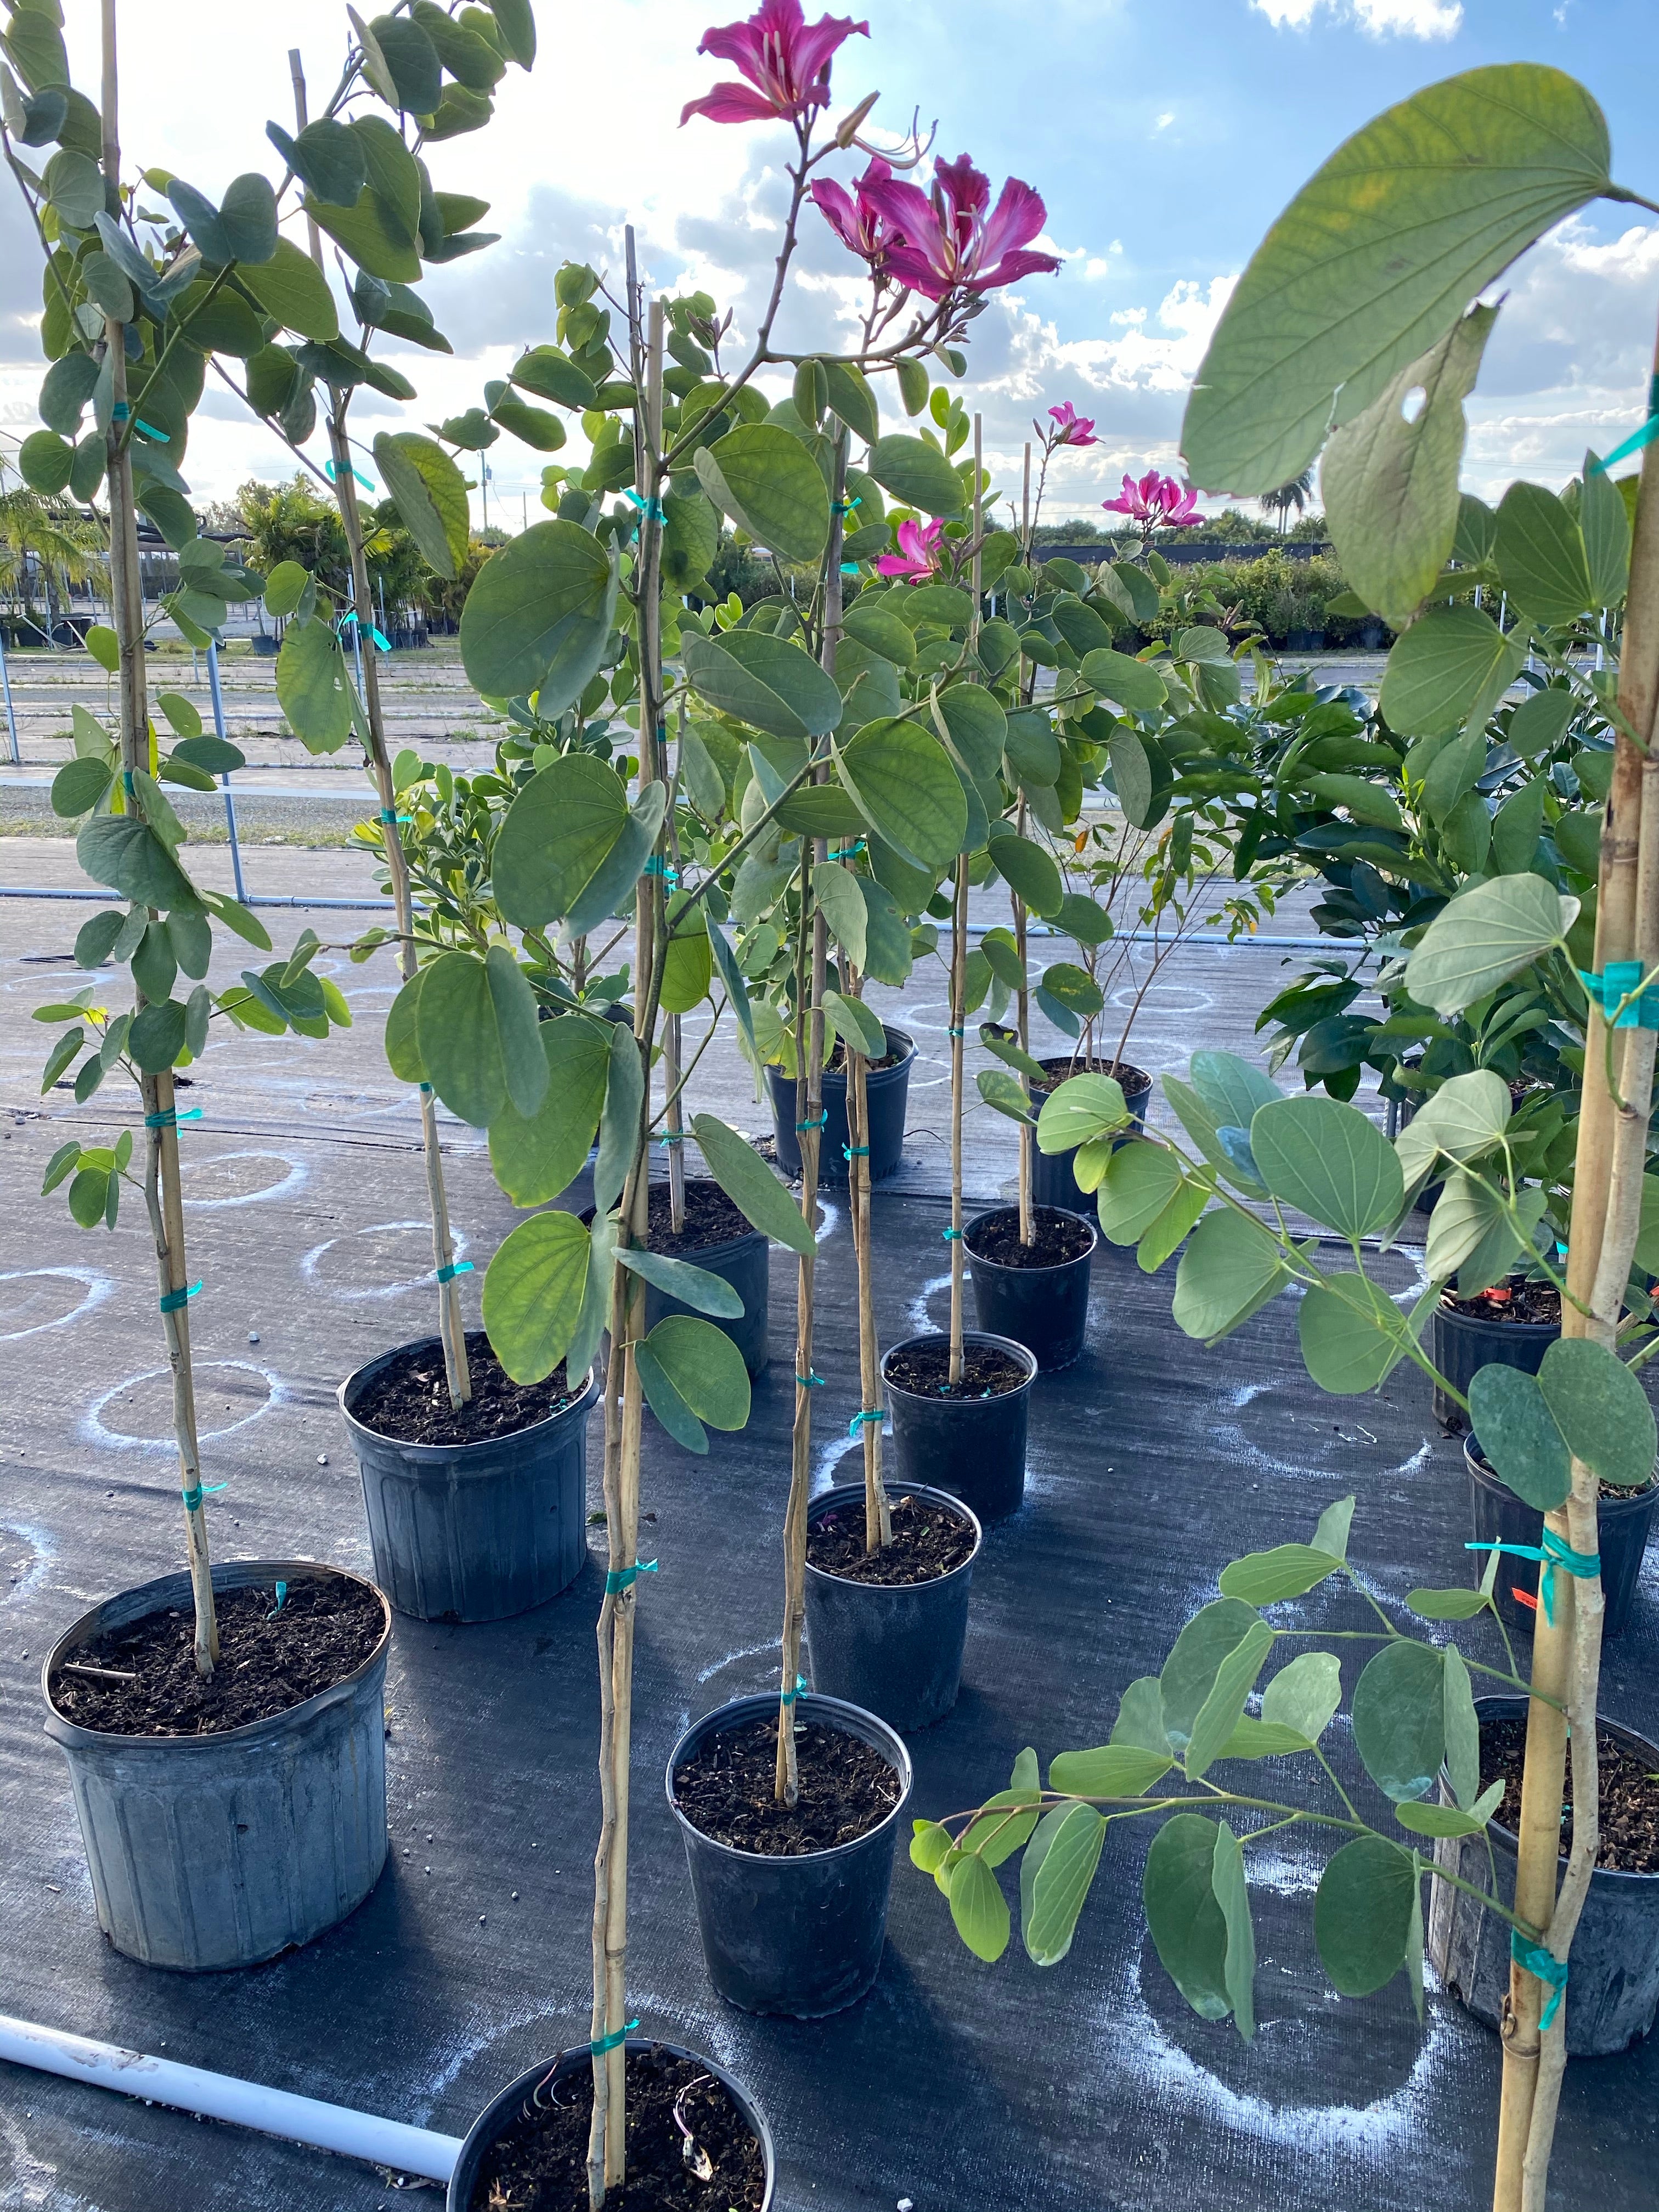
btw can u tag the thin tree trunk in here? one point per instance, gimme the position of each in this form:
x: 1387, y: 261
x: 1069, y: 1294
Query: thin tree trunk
x: 671, y: 1077
x: 959, y: 972
x: 452, y: 1328
x: 163, y: 1196
x: 1027, y: 1230
x: 1606, y: 1218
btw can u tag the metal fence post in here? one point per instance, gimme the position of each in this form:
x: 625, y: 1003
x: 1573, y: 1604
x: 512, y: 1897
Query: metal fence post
x: 230, y: 803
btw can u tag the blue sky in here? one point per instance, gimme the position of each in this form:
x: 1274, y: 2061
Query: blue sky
x: 1164, y: 138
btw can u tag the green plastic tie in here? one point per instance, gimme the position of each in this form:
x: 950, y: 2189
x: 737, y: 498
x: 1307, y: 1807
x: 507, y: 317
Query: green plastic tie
x: 1637, y: 438
x: 951, y: 1233
x: 789, y: 1696
x: 850, y: 1153
x: 847, y: 852
x: 671, y: 1137
x: 1621, y: 981
x: 656, y: 865
x: 617, y: 2037
x: 120, y: 411
x: 175, y: 1299
x: 194, y: 1496
x: 383, y: 642
x: 1551, y: 1554
x: 1543, y: 1965
x: 328, y: 470
x: 858, y: 1419
x: 846, y: 506
x: 390, y: 814
x: 282, y: 1600
x: 650, y: 509
x: 170, y: 1117
x: 619, y: 1578
x: 801, y: 1127
x: 449, y: 1274
x: 811, y: 1382
x: 849, y: 568
x: 954, y: 1032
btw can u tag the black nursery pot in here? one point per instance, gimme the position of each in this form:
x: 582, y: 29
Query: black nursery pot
x: 1054, y: 1174
x: 1499, y: 1516
x: 972, y: 1449
x: 1045, y: 1309
x: 894, y: 1649
x: 501, y: 2111
x: 886, y: 1090
x: 801, y: 1937
x: 474, y: 1532
x: 1461, y: 1344
x: 746, y: 1264
x: 1614, y: 1993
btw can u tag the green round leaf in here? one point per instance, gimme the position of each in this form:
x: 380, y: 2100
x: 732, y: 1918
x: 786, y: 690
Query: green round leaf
x: 918, y: 474
x: 979, y: 1908
x: 558, y: 834
x: 1059, y: 1882
x: 533, y: 1294
x: 1133, y: 683
x: 1452, y: 665
x: 538, y: 617
x: 1028, y: 870
x: 119, y: 850
x: 1328, y: 1161
x: 1601, y: 1410
x: 1486, y: 935
x: 906, y: 788
x: 157, y: 1035
x: 1229, y: 1269
x: 312, y: 685
x: 1399, y: 1722
x: 1351, y: 1334
x: 1540, y: 555
x: 704, y: 1365
x: 1082, y: 1108
x: 1185, y: 1920
x: 767, y: 682
x: 765, y: 479
x: 45, y: 461
x: 1363, y: 1912
x: 285, y: 588
x: 1304, y: 1695
x: 79, y: 784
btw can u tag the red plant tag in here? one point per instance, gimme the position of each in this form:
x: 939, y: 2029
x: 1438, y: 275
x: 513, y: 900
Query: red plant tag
x: 1498, y: 1297
x: 1523, y: 1597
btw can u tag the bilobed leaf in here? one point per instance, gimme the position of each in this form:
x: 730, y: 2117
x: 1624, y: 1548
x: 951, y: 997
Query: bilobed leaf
x: 538, y: 616
x: 1235, y: 1678
x: 1462, y: 1728
x: 704, y: 1366
x: 1185, y: 1922
x: 1465, y: 1115
x: 1399, y: 1720
x: 857, y: 1023
x: 1452, y: 665
x: 1378, y: 255
x: 851, y: 398
x: 558, y: 833
x: 1601, y: 1410
x: 1140, y: 1182
x: 1082, y: 1108
x: 842, y: 903
x: 292, y: 288
x: 1028, y: 870
x: 533, y: 1294
x: 753, y: 1188
x: 1112, y: 1769
x: 1362, y: 1913
x: 1189, y: 1673
x: 916, y: 473
x: 524, y: 1064
x: 979, y: 1908
x: 1287, y: 1570
x: 311, y: 686
x: 1606, y: 528
x: 1390, y: 484
x: 1329, y: 1161
x: 1484, y: 936
x: 430, y: 495
x: 906, y: 788
x: 767, y: 682
x: 1352, y: 1334
x: 79, y: 784
x: 468, y: 1030
x: 1447, y: 1604
x: 1304, y: 1695
x: 1540, y: 555
x: 764, y: 478
x: 692, y: 1286
x: 611, y: 884
x: 372, y: 233
x: 1471, y: 1235
x: 1519, y: 1436
x: 687, y: 961
x: 1133, y: 683
x: 1232, y: 1895
x: 1059, y: 1884
x: 538, y: 1156
x: 125, y: 853
x: 1432, y: 1819
x: 1229, y: 1269
x: 619, y: 1123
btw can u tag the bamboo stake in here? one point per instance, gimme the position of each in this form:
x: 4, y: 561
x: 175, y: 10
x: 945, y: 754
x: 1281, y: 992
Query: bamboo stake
x: 877, y: 1513
x: 163, y: 1197
x: 451, y: 1327
x: 1027, y: 1227
x: 1606, y: 1217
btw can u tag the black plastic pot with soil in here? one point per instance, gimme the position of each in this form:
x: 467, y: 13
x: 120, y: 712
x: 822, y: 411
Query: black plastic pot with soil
x: 1514, y: 1329
x: 697, y: 2140
x: 1612, y: 1994
x: 792, y: 1900
x: 1497, y: 1516
x: 1053, y: 1175
x: 885, y: 1629
x: 1036, y: 1293
x: 967, y: 1437
x: 231, y: 1817
x: 887, y: 1089
x: 476, y: 1512
x: 717, y: 1238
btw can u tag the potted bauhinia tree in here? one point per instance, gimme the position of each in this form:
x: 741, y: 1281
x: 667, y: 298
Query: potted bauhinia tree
x: 227, y: 1702
x: 1353, y: 350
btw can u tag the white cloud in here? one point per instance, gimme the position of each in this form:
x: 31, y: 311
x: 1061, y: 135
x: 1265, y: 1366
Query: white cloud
x: 1164, y: 120
x: 1408, y: 19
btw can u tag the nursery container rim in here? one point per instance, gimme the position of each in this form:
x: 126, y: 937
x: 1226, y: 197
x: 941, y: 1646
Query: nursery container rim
x: 1483, y: 1710
x: 432, y: 1454
x: 756, y: 1706
x: 849, y: 1493
x: 1009, y: 1344
x: 991, y: 1212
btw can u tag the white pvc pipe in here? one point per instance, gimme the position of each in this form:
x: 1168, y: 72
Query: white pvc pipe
x: 221, y: 2097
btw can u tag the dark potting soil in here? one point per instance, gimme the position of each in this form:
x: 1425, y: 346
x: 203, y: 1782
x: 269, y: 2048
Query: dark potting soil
x: 539, y: 2163
x: 1607, y: 1493
x: 1132, y: 1081
x: 924, y: 1370
x: 272, y: 1658
x: 928, y: 1540
x: 1056, y: 1236
x: 1629, y: 1802
x: 409, y: 1398
x: 836, y: 1063
x: 710, y: 1219
x: 846, y: 1787
x: 1518, y: 1302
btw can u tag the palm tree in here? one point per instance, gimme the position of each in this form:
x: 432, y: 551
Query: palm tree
x: 1296, y: 494
x: 45, y: 541
x: 290, y: 522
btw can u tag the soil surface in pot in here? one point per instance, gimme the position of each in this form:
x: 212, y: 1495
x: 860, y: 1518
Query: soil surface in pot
x: 1525, y: 1301
x: 924, y: 1370
x: 928, y: 1542
x: 710, y: 1219
x: 1132, y: 1081
x: 539, y: 2162
x: 272, y: 1658
x: 836, y: 1063
x: 1056, y: 1237
x: 846, y: 1787
x: 1630, y: 1795
x: 409, y: 1398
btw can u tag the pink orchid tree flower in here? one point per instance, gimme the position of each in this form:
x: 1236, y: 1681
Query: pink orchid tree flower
x: 947, y: 242
x: 785, y: 58
x: 1156, y: 502
x: 1071, y: 427
x: 855, y: 218
x: 917, y: 558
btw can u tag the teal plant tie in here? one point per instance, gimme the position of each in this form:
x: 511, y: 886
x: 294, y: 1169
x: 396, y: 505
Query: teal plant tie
x: 1551, y: 1554
x: 656, y: 865
x: 175, y: 1299
x: 801, y: 1127
x: 620, y: 1578
x: 614, y: 2041
x: 1541, y: 1963
x: 651, y: 509
x: 955, y: 1032
x: 811, y: 1382
x: 671, y: 1137
x: 859, y: 1419
x: 847, y: 852
x: 1621, y: 981
x: 849, y: 568
x: 449, y: 1274
x: 170, y: 1117
x: 850, y: 1153
x: 282, y: 1600
x: 126, y: 782
x: 197, y: 1492
x: 383, y: 642
x: 790, y: 1696
x: 846, y: 506
x: 390, y: 815
x: 1637, y: 438
x: 952, y: 1235
x: 120, y: 411
x: 328, y: 470
x: 426, y: 1091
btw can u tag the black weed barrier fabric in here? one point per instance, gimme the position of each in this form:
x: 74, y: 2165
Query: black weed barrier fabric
x: 962, y: 2087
